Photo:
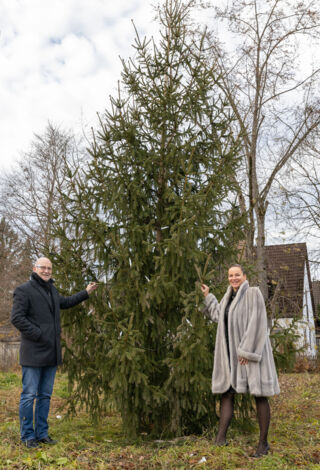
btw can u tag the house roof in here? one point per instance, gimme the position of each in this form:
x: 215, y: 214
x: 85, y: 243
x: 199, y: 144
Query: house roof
x: 285, y: 265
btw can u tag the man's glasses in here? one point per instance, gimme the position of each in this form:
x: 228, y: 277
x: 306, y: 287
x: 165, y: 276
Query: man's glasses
x: 43, y: 268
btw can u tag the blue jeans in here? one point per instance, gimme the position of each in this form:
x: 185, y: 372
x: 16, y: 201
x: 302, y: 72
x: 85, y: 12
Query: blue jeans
x: 37, y: 385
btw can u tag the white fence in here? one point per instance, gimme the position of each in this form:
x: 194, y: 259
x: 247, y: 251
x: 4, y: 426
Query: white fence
x: 9, y: 353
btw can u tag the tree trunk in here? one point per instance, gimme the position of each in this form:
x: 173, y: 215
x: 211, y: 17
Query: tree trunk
x: 260, y: 212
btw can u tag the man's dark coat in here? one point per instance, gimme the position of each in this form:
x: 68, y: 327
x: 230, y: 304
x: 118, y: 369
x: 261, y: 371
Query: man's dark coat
x: 37, y: 317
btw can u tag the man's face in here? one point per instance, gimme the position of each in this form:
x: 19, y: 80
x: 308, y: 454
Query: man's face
x: 43, y: 268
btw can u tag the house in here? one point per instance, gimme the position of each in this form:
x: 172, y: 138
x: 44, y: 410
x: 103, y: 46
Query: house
x: 290, y: 291
x: 316, y: 297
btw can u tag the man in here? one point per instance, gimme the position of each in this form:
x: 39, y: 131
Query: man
x: 36, y: 314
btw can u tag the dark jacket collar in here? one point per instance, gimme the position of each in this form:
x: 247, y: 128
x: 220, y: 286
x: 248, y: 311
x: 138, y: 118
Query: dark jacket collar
x: 45, y: 284
x: 45, y: 289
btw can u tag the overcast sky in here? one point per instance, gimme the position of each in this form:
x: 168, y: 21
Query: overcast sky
x: 59, y: 61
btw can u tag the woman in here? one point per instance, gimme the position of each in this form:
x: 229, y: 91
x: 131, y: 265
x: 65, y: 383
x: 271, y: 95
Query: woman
x: 243, y: 359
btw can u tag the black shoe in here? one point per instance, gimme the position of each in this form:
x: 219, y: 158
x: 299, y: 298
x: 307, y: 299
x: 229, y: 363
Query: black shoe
x: 261, y: 452
x: 47, y: 440
x: 31, y: 443
x: 221, y: 444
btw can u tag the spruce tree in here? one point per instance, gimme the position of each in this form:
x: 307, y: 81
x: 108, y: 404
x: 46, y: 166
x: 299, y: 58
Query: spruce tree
x: 149, y: 219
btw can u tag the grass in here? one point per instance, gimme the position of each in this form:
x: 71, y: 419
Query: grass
x: 294, y: 436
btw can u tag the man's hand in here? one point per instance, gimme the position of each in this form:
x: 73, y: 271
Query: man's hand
x: 204, y: 289
x: 91, y: 287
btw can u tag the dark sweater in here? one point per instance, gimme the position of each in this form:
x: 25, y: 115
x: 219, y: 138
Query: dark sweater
x: 226, y: 313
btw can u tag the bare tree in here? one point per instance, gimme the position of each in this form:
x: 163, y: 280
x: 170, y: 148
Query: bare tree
x: 273, y: 99
x: 15, y: 265
x: 299, y: 198
x: 30, y: 192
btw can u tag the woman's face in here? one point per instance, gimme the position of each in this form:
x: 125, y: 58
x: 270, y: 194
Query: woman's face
x: 236, y: 277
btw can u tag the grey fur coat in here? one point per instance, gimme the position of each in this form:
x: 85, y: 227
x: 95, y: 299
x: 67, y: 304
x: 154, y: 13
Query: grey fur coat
x: 249, y: 338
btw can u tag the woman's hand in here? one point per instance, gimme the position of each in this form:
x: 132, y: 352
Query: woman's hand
x: 243, y: 361
x: 204, y: 289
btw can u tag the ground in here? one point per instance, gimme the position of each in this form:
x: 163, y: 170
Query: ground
x: 294, y: 436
